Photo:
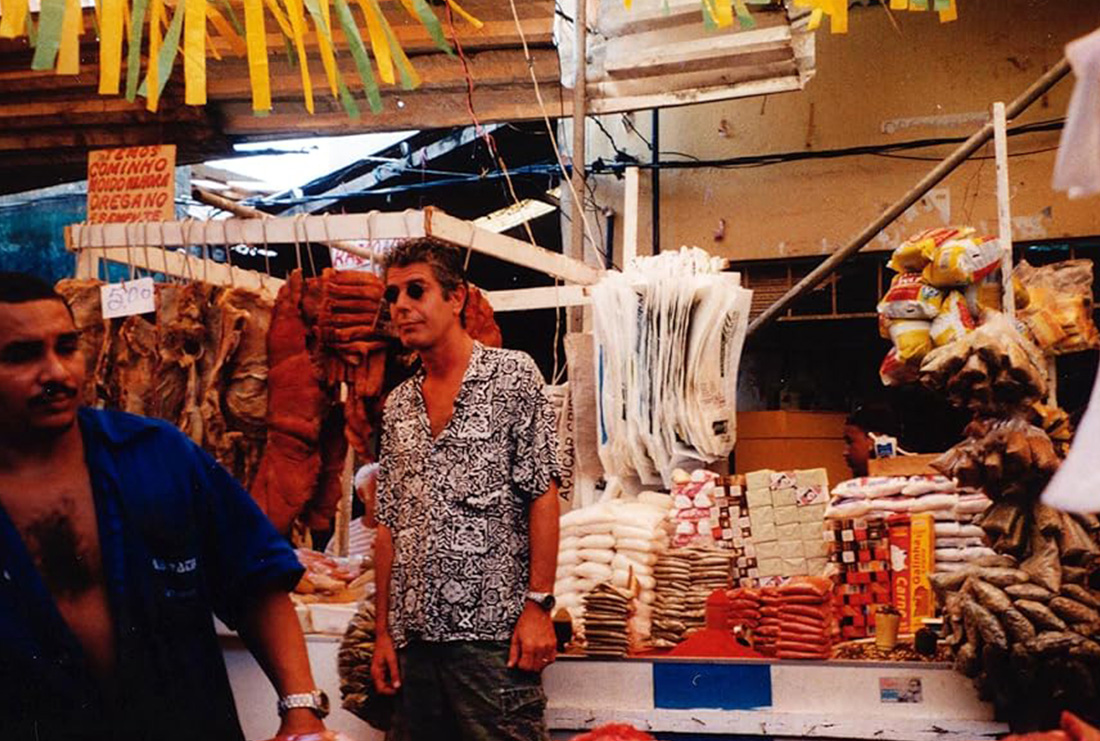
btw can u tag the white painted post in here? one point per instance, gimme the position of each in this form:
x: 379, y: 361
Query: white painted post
x: 630, y: 215
x: 1004, y: 212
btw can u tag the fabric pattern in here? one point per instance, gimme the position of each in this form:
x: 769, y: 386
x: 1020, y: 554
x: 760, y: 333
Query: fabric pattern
x: 458, y: 505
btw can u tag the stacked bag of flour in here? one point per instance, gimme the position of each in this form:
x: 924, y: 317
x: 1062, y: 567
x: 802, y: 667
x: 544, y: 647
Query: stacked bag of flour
x: 615, y: 542
x: 958, y: 540
x: 947, y: 278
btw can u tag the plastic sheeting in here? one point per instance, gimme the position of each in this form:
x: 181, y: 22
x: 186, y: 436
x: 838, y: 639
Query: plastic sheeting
x: 669, y: 333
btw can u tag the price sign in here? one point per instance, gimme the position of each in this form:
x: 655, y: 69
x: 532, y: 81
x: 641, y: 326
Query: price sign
x: 128, y: 298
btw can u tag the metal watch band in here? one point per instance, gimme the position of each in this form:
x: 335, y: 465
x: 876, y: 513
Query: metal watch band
x: 315, y: 701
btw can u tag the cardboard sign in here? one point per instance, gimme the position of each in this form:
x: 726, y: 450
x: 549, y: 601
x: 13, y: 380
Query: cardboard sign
x: 128, y: 298
x: 342, y: 260
x: 132, y: 184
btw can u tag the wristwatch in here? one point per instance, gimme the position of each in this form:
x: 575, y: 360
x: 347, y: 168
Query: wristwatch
x: 317, y: 701
x: 545, y: 600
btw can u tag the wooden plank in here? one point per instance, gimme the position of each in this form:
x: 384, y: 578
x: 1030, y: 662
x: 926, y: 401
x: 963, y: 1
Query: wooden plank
x: 543, y: 297
x: 437, y: 71
x: 463, y: 233
x: 655, y: 50
x: 903, y: 465
x: 687, y: 97
x: 517, y: 214
x: 616, y: 20
x: 181, y: 265
x: 697, y: 80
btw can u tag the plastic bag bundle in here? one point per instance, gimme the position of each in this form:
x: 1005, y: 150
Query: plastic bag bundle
x: 1057, y: 306
x: 910, y: 297
x: 916, y: 252
x: 669, y: 334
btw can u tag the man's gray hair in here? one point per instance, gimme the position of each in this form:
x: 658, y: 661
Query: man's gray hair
x: 445, y: 261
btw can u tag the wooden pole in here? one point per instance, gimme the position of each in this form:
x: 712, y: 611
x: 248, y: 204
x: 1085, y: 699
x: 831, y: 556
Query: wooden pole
x: 938, y: 173
x: 1004, y: 209
x: 575, y: 321
x: 631, y: 191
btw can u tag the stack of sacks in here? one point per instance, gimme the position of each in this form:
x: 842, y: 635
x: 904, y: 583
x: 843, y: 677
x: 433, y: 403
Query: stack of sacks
x: 673, y: 574
x: 641, y: 535
x: 767, y: 632
x: 585, y: 555
x: 882, y: 496
x: 693, y: 496
x: 861, y: 551
x: 958, y: 544
x: 786, y: 512
x: 744, y: 609
x: 607, y: 610
x: 946, y: 279
x: 806, y: 622
x: 710, y: 570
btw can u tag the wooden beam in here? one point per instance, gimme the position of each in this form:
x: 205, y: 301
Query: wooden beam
x: 517, y: 214
x: 688, y: 97
x: 543, y: 297
x: 654, y: 50
x: 335, y: 229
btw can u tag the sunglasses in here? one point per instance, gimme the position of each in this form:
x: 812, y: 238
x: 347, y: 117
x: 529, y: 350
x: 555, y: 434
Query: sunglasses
x: 415, y: 291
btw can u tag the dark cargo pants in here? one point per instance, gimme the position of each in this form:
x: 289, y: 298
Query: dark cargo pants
x: 464, y: 690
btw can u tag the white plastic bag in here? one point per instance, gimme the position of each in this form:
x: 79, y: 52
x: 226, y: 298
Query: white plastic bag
x: 1077, y: 169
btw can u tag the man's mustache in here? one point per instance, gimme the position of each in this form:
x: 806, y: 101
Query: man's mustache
x: 53, y: 392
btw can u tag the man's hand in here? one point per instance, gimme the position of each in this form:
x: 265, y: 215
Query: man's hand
x: 383, y: 667
x: 1073, y: 729
x: 534, y: 644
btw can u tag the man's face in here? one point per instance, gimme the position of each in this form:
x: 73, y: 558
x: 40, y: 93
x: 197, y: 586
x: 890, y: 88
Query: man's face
x: 420, y: 313
x: 857, y: 449
x: 41, y: 368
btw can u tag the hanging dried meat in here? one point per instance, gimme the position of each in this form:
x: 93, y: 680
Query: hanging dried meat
x: 83, y: 297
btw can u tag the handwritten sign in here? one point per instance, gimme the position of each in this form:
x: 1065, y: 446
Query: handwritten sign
x: 128, y: 298
x: 342, y: 260
x: 132, y: 184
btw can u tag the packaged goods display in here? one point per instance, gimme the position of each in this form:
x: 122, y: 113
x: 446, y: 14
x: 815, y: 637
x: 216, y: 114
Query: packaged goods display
x: 786, y: 511
x: 1057, y: 306
x: 861, y: 551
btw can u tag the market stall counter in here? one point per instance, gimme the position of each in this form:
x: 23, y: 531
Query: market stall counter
x: 887, y: 701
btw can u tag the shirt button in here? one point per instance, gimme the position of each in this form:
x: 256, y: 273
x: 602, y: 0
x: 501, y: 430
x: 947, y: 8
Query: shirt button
x: 6, y: 575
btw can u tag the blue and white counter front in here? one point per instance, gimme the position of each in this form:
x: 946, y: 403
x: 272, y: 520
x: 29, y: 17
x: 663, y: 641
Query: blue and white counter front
x: 690, y: 698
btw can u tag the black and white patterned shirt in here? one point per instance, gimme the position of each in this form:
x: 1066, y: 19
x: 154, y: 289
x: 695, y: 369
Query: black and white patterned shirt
x: 458, y: 506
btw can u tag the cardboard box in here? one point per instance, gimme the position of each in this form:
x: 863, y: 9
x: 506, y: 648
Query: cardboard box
x: 789, y: 440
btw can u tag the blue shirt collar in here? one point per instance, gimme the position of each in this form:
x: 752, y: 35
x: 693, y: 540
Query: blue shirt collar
x: 114, y: 428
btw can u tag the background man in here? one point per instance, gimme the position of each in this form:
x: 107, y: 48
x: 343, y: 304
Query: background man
x: 361, y: 530
x: 468, y: 520
x: 868, y: 420
x: 118, y: 537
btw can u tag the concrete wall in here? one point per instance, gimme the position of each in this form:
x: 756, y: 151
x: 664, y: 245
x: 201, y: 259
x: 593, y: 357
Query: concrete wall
x: 878, y: 85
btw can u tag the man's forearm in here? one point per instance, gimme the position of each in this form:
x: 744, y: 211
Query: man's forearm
x: 270, y: 629
x: 383, y: 565
x: 544, y: 540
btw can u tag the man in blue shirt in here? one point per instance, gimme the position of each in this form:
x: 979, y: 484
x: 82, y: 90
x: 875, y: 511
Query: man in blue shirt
x: 118, y: 539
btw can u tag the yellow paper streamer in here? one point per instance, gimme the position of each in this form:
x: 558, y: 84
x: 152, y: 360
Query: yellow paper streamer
x: 277, y: 14
x: 194, y: 52
x: 474, y: 21
x: 724, y: 15
x: 378, y: 43
x: 256, y: 38
x: 68, y: 56
x: 899, y: 4
x: 226, y: 30
x: 298, y: 26
x: 838, y: 21
x: 328, y: 56
x: 110, y: 47
x: 13, y: 18
x: 815, y: 19
x: 213, y: 49
x: 951, y: 14
x: 152, y: 98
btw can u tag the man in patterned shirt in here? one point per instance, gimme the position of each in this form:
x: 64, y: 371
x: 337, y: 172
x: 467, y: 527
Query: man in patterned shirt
x: 468, y: 520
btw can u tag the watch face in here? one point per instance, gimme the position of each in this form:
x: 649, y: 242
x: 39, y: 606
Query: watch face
x: 323, y: 704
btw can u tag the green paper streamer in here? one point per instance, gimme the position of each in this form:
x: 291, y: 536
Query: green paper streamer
x: 709, y: 21
x: 49, y: 34
x: 133, y: 49
x: 744, y: 17
x: 435, y: 29
x: 346, y: 98
x: 32, y: 32
x: 404, y: 69
x: 918, y: 4
x: 941, y: 5
x: 167, y: 56
x: 359, y: 54
x: 232, y: 16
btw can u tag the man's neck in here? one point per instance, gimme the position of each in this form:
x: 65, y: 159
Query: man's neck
x: 30, y: 451
x: 449, y: 356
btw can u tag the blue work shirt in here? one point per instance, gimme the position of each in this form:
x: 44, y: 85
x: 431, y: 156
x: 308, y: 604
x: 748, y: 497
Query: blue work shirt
x: 180, y: 539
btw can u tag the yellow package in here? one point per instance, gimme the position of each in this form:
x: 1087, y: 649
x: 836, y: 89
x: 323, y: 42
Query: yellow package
x: 1059, y: 309
x: 912, y: 339
x: 916, y: 252
x: 954, y: 320
x: 959, y: 262
x: 922, y: 563
x: 910, y: 297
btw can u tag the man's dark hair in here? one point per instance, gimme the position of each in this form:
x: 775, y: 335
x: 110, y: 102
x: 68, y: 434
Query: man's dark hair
x: 444, y: 260
x: 21, y: 288
x: 875, y: 417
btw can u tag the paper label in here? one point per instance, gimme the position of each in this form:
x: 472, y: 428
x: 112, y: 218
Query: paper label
x: 900, y: 689
x: 128, y: 298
